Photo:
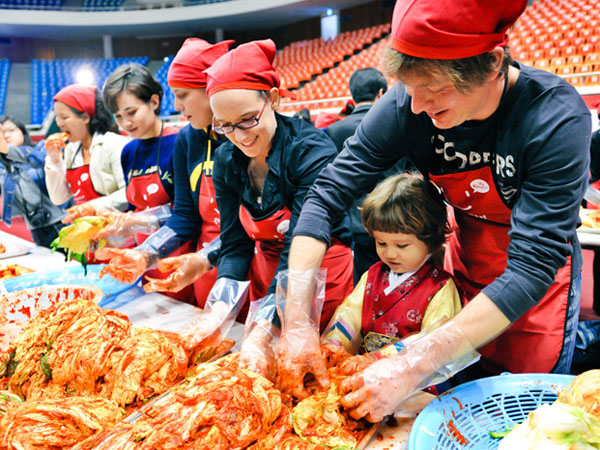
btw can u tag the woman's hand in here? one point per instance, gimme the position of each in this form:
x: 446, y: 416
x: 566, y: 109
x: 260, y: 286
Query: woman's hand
x: 55, y: 143
x: 257, y: 352
x: 125, y: 265
x: 185, y: 269
x: 85, y: 210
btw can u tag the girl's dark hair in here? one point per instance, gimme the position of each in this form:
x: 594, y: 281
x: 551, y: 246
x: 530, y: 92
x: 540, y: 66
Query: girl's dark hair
x: 21, y: 126
x: 135, y: 79
x: 409, y: 204
x: 102, y: 120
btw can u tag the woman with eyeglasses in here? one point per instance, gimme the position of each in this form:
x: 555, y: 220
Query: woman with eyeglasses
x: 195, y: 212
x: 88, y: 169
x: 23, y: 186
x: 263, y: 173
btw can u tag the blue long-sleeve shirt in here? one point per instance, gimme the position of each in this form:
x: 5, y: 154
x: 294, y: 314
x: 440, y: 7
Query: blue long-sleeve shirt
x: 538, y: 149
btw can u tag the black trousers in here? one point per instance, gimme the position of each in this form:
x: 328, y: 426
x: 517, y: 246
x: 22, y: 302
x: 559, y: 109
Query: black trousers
x: 365, y: 254
x: 43, y: 236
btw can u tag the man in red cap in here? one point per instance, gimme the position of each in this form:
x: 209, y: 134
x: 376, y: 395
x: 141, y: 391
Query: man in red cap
x: 508, y: 147
x: 195, y: 205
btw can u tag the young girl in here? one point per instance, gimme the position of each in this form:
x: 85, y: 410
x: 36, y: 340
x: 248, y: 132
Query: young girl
x: 195, y: 206
x: 90, y: 170
x: 406, y: 291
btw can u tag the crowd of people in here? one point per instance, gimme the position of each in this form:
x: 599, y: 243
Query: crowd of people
x: 443, y: 208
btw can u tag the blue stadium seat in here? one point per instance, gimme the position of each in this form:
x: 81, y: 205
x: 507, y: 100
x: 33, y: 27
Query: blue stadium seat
x: 4, y: 71
x: 48, y: 77
x: 167, y: 104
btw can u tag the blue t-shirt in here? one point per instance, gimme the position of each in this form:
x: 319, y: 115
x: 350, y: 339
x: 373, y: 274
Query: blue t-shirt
x: 140, y: 157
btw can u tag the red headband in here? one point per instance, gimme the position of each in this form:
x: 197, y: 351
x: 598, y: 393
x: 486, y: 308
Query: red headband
x: 249, y: 66
x: 82, y: 98
x: 452, y: 29
x: 192, y: 59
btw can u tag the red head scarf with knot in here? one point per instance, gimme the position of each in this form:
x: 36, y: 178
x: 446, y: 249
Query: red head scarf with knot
x: 80, y: 97
x: 452, y: 29
x: 192, y: 59
x: 249, y: 66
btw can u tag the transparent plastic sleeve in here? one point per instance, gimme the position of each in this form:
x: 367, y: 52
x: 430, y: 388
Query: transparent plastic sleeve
x: 300, y: 296
x: 295, y: 290
x: 424, y: 361
x: 224, y: 302
x: 211, y: 250
x: 161, y: 243
x: 257, y: 351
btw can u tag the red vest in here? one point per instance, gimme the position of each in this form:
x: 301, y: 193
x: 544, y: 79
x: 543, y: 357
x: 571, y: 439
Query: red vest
x: 389, y: 318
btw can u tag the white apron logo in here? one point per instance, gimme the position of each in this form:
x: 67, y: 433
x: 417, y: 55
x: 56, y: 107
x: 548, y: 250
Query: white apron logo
x: 283, y: 226
x: 480, y: 186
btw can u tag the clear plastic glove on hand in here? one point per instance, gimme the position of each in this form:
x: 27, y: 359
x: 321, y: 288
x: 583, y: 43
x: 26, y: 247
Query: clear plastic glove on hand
x: 84, y: 210
x: 125, y: 265
x: 257, y: 350
x: 381, y: 388
x: 125, y: 225
x: 223, y: 305
x: 300, y: 296
x: 185, y: 269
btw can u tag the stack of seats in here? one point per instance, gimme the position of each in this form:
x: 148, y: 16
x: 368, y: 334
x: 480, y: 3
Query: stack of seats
x: 168, y: 99
x: 31, y: 4
x: 4, y: 71
x: 48, y: 77
x: 105, y: 5
x: 560, y: 36
x: 301, y: 60
x: 334, y: 84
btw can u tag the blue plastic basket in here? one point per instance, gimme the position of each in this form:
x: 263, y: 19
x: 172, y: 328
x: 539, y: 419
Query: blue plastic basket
x: 70, y: 275
x: 463, y: 417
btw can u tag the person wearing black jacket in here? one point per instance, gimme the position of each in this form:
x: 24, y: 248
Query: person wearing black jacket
x: 366, y: 86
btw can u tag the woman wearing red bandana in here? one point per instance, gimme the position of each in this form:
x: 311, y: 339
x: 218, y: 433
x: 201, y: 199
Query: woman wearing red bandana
x: 195, y: 211
x: 89, y: 170
x: 263, y: 173
x: 508, y: 146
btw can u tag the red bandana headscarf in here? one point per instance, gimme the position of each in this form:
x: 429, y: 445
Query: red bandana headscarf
x: 82, y: 98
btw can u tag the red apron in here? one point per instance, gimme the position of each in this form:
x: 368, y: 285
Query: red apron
x: 269, y: 234
x: 211, y: 221
x: 146, y: 191
x: 387, y: 318
x: 80, y: 184
x: 476, y: 255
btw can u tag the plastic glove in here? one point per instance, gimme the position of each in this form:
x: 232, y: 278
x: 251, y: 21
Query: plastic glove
x: 185, y: 269
x: 381, y: 388
x: 125, y: 225
x: 55, y: 143
x: 300, y: 349
x: 257, y: 350
x: 84, y: 210
x: 223, y: 304
x: 125, y: 265
x: 262, y: 325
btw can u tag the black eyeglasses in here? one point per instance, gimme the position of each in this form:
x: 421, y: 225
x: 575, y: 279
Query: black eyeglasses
x: 242, y: 125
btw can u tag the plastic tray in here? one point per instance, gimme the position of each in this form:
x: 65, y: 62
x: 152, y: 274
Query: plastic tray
x: 463, y: 417
x: 70, y: 275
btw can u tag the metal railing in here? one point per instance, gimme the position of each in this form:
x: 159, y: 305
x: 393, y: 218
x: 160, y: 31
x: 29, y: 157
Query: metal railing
x: 129, y: 7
